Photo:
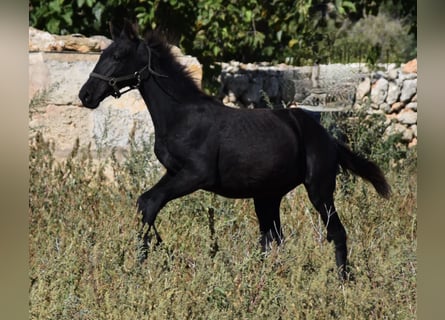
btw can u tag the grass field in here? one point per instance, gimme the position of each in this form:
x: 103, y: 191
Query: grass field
x: 83, y: 249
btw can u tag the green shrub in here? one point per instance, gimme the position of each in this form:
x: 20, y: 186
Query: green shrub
x: 365, y: 134
x: 382, y: 39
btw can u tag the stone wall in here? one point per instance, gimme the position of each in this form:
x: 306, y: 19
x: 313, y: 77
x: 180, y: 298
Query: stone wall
x: 324, y: 88
x: 394, y: 94
x: 262, y: 85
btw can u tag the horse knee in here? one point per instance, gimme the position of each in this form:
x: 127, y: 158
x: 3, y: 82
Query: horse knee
x: 148, y: 209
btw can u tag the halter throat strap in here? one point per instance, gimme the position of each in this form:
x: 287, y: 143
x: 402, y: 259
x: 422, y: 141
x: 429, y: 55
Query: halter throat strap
x: 114, y: 81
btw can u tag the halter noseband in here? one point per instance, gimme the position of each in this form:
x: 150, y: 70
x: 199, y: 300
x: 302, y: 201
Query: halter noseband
x: 113, y: 81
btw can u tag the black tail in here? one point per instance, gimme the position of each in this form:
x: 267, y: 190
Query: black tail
x: 364, y: 168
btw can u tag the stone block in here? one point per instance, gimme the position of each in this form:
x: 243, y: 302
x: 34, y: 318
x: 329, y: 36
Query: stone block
x: 409, y: 89
x: 407, y: 116
x: 410, y: 66
x: 396, y: 107
x: 363, y: 88
x: 393, y: 93
x: 379, y: 91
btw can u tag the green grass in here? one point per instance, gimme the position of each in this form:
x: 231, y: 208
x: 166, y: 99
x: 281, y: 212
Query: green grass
x: 83, y: 249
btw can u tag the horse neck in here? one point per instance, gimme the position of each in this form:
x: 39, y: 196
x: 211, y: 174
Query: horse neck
x: 162, y: 105
x: 167, y: 95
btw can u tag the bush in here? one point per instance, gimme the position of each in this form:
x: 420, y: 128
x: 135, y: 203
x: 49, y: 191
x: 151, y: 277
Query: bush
x: 382, y: 39
x: 365, y: 134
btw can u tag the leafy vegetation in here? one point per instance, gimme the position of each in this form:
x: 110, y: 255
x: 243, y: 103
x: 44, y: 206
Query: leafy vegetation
x: 360, y: 130
x: 83, y: 245
x: 298, y: 32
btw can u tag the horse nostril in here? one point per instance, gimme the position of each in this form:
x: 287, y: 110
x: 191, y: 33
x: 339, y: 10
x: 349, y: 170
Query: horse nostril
x: 84, y: 96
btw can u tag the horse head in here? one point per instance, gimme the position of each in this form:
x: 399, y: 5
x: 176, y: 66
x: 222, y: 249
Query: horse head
x: 122, y: 64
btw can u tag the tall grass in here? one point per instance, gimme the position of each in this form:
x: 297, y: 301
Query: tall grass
x: 83, y: 249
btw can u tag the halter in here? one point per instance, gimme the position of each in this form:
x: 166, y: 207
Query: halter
x: 113, y: 81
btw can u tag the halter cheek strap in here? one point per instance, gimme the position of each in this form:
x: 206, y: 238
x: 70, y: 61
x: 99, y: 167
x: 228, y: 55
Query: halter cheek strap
x: 113, y: 81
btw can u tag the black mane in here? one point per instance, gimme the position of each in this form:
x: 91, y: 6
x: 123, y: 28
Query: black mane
x: 184, y: 86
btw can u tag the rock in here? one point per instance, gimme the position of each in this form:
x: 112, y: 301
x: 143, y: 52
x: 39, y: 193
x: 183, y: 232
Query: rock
x: 302, y: 89
x: 407, y: 76
x: 394, y: 128
x: 315, y: 99
x: 414, y: 128
x: 253, y: 94
x: 79, y: 44
x: 44, y: 41
x: 40, y: 40
x: 410, y: 66
x: 363, y: 89
x: 102, y: 41
x: 288, y: 92
x: 407, y: 116
x: 407, y: 135
x: 390, y: 118
x: 237, y: 84
x: 248, y: 66
x: 397, y: 128
x: 231, y: 97
x: 393, y: 74
x: 409, y: 89
x: 385, y: 107
x: 393, y: 93
x: 412, y: 106
x: 413, y: 143
x: 375, y: 111
x: 272, y: 87
x: 396, y: 107
x: 379, y: 91
x: 38, y: 75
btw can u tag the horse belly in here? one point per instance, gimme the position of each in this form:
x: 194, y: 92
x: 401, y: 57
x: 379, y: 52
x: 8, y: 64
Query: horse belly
x: 258, y: 171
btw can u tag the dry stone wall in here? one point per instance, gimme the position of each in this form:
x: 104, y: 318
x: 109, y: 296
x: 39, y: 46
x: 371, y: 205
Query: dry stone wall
x: 58, y: 66
x: 394, y: 94
x: 262, y: 85
x: 324, y: 88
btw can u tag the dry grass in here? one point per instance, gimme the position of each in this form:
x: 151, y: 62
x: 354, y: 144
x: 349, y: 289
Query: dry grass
x: 83, y: 250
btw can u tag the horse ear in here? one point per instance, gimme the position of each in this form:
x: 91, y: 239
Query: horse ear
x: 113, y: 30
x: 127, y: 29
x: 130, y: 30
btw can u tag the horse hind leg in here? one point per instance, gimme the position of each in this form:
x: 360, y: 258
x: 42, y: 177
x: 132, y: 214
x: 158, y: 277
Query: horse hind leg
x: 321, y: 196
x: 268, y: 214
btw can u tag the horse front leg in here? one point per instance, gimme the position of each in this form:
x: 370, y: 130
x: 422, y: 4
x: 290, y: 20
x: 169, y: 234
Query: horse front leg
x: 152, y: 201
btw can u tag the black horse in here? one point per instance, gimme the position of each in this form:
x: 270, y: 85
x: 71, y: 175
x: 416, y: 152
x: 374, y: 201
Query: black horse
x: 237, y: 153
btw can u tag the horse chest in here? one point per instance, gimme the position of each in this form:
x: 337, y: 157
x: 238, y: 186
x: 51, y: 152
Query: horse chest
x: 165, y: 156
